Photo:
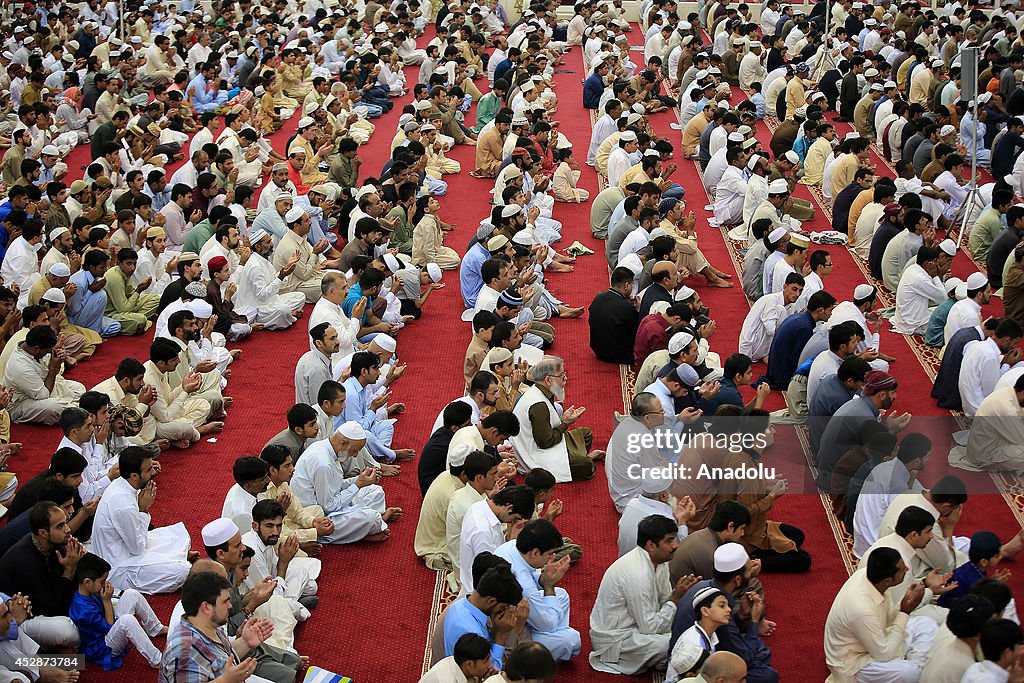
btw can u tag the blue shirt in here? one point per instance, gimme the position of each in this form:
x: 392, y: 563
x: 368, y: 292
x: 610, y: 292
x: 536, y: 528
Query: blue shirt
x: 91, y: 621
x: 786, y: 347
x: 470, y: 281
x: 759, y: 104
x: 593, y: 88
x: 499, y: 73
x: 965, y: 576
x: 728, y: 395
x: 462, y: 617
x: 355, y: 293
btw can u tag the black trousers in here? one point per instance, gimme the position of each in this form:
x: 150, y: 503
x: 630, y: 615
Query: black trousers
x: 794, y: 562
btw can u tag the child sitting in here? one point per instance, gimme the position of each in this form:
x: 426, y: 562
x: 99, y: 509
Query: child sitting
x: 711, y: 607
x: 567, y: 174
x: 983, y: 557
x: 542, y: 483
x: 107, y: 629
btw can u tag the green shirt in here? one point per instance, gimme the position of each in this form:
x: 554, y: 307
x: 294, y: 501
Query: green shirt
x: 402, y: 237
x: 486, y: 110
x: 198, y: 236
x: 985, y: 230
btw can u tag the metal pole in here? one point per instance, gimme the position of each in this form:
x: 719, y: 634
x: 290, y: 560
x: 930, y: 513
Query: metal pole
x: 972, y: 192
x: 120, y: 15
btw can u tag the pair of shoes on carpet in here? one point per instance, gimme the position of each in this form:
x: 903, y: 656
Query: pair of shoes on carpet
x: 578, y: 249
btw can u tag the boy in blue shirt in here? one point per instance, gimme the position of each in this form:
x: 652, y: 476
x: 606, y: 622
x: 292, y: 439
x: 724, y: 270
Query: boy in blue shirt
x: 983, y: 556
x: 107, y: 629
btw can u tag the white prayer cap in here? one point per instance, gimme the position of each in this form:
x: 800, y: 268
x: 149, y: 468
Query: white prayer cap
x: 257, y: 234
x: 385, y: 341
x: 817, y: 95
x: 638, y: 108
x: 510, y: 210
x: 306, y: 122
x: 520, y: 121
x: 57, y: 232
x: 891, y: 85
x: 365, y: 190
x: 655, y: 485
x: 55, y: 296
x: 752, y: 163
x: 946, y: 130
x: 628, y: 136
x: 936, y: 62
x: 976, y: 281
x: 525, y: 239
x: 862, y: 292
x: 858, y: 5
x: 200, y: 308
x: 948, y: 247
x: 792, y: 157
x: 232, y: 55
x: 778, y: 186
x: 49, y: 151
x: 800, y: 112
x: 684, y: 293
x: 310, y: 108
x: 684, y: 25
x: 652, y: 153
x: 685, y: 656
x: 659, y: 306
x: 744, y: 130
x: 984, y: 97
x: 294, y: 215
x: 852, y: 135
x: 528, y: 87
x: 842, y: 47
x: 701, y: 75
x: 279, y: 166
x: 870, y: 22
x: 777, y: 234
x: 427, y: 127
x: 392, y: 263
x: 59, y: 270
x: 218, y: 532
x: 755, y: 44
x: 679, y: 341
x: 736, y: 137
x: 730, y: 557
x: 351, y: 430
x: 877, y: 87
x: 632, y: 261
x: 434, y: 272
x: 658, y: 232
x: 951, y: 284
x: 458, y: 453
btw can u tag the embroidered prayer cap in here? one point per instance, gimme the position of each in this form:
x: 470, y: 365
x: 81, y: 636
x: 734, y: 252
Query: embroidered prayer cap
x: 628, y: 136
x: 196, y: 289
x: 392, y: 263
x: 877, y: 87
x: 753, y: 161
x: 386, y: 342
x: 948, y: 247
x: 778, y: 186
x: 256, y: 235
x: 187, y: 256
x: 57, y: 232
x: 863, y: 292
x: 946, y: 130
x: 655, y: 485
x: 687, y: 375
x: 294, y: 215
x: 496, y: 356
x: 59, y: 270
x: 55, y: 296
x: 497, y: 243
x: 976, y: 281
x: 215, y: 264
x: 49, y: 151
x: 510, y: 210
x: 678, y: 342
x: 684, y: 293
x: 799, y: 240
x: 705, y: 593
x: 685, y: 656
x: 736, y: 137
x: 458, y: 453
x: 877, y: 381
x: 523, y: 238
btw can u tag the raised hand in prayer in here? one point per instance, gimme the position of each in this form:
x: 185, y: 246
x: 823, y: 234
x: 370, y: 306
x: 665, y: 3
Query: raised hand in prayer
x: 689, y: 415
x: 1003, y: 575
x: 287, y: 549
x: 371, y: 475
x: 778, y: 489
x: 20, y: 607
x: 324, y: 526
x: 912, y: 598
x: 147, y: 496
x: 938, y: 582
x: 255, y: 631
x: 756, y: 607
x: 753, y: 568
x: 709, y: 389
x: 359, y: 308
x: 196, y: 216
x: 70, y: 554
x: 70, y: 288
x: 6, y: 394
x: 897, y: 423
x: 380, y: 401
x: 707, y: 329
x: 554, y: 509
x: 192, y: 382
x: 685, y: 510
x: 147, y: 395
x: 571, y: 414
x: 552, y: 573
x: 499, y: 485
x: 285, y: 499
x: 684, y: 584
x: 505, y: 622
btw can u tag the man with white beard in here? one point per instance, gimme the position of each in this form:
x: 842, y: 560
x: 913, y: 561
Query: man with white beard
x: 259, y: 284
x: 332, y: 474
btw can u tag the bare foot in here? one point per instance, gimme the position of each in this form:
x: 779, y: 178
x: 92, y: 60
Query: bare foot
x: 162, y: 444
x: 50, y: 675
x: 297, y: 313
x: 569, y: 312
x: 210, y: 428
x: 724, y: 276
x: 556, y: 267
x: 719, y: 282
x: 1013, y: 546
x: 181, y: 443
x: 392, y: 515
x: 226, y: 374
x: 390, y: 470
x: 192, y: 556
x: 404, y: 454
x: 377, y: 537
x: 235, y: 353
x: 596, y: 455
x: 303, y: 661
x: 229, y: 401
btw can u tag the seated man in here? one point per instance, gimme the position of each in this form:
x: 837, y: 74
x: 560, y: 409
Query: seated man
x: 37, y: 566
x: 259, y: 296
x: 128, y: 388
x: 148, y: 560
x: 986, y: 361
x: 497, y: 598
x: 545, y: 439
x: 631, y: 622
x: 176, y: 410
x: 328, y: 475
x: 372, y: 413
x: 484, y: 522
x: 33, y: 372
x: 307, y: 272
x: 431, y: 538
x: 996, y: 440
x: 125, y: 302
x: 89, y: 302
x: 251, y: 476
x: 867, y: 637
x: 314, y: 367
x: 306, y: 522
x: 766, y: 315
x: 532, y: 556
x: 302, y: 426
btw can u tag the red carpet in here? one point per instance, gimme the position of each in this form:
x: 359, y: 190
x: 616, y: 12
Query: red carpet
x: 376, y: 598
